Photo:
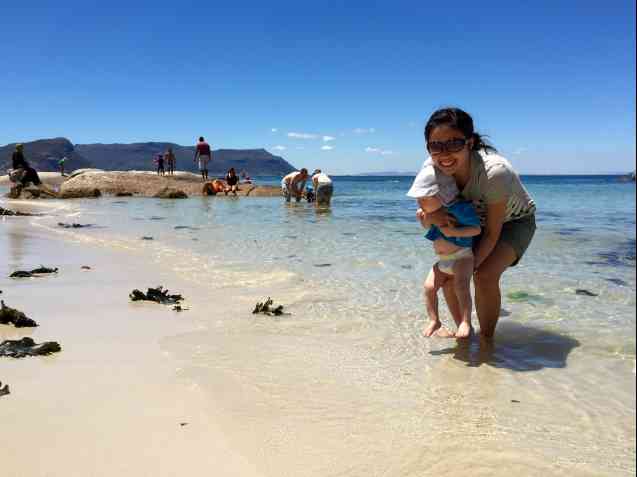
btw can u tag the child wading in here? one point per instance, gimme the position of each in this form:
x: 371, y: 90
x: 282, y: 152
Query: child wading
x: 452, y: 243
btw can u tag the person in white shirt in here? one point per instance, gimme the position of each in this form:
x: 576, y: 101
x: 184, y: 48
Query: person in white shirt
x: 294, y: 184
x: 323, y: 188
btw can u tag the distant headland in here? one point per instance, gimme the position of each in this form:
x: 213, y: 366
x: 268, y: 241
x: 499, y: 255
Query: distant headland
x: 44, y: 155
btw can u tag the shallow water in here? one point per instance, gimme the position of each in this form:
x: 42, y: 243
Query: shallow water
x: 346, y: 384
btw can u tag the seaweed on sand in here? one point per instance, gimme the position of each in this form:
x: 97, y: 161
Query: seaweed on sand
x: 158, y: 295
x: 266, y: 308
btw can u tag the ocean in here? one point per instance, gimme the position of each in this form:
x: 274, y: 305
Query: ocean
x: 346, y: 384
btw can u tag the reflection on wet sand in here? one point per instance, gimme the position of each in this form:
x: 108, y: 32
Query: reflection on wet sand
x: 516, y: 347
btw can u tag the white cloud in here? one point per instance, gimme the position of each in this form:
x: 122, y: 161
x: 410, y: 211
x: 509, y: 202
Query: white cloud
x: 274, y: 130
x: 378, y: 150
x: 328, y: 138
x: 327, y: 148
x: 364, y: 130
x: 280, y: 148
x: 298, y: 135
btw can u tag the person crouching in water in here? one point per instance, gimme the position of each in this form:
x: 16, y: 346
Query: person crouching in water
x: 453, y: 245
x: 323, y: 188
x: 294, y: 184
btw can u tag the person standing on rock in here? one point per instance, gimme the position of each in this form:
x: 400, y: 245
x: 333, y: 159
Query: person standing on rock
x: 61, y: 163
x: 171, y: 161
x: 203, y: 156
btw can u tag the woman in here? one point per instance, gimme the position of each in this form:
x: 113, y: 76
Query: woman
x: 22, y: 172
x: 232, y: 179
x: 506, y: 210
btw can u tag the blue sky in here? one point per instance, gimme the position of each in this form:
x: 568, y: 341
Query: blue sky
x: 346, y: 86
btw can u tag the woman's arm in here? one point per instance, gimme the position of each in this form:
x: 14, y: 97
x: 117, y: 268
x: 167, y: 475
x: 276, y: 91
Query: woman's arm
x: 495, y: 218
x: 440, y: 218
x: 467, y: 231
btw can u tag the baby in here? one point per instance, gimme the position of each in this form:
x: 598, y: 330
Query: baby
x: 453, y: 245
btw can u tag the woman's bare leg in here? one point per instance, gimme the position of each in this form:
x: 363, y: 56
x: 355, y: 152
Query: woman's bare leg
x: 487, y: 284
x: 463, y: 270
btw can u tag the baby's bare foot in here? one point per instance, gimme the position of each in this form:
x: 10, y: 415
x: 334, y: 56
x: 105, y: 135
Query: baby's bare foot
x: 431, y: 328
x: 464, y: 330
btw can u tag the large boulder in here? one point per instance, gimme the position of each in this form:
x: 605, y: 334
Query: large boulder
x: 171, y: 193
x: 79, y: 193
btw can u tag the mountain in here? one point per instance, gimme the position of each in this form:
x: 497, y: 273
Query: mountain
x: 44, y: 155
x: 139, y: 156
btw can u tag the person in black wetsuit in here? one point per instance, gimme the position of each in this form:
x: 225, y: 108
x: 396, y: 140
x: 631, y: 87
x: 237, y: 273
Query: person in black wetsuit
x: 20, y: 163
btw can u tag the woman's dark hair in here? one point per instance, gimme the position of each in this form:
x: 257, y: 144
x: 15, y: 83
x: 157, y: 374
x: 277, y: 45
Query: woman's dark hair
x: 456, y: 118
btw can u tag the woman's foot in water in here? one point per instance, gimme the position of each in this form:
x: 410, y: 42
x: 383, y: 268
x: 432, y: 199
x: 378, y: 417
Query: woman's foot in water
x: 464, y: 330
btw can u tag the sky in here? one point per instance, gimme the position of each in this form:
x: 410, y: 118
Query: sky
x: 344, y: 86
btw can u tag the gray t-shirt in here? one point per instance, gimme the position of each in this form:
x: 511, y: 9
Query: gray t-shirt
x: 493, y: 180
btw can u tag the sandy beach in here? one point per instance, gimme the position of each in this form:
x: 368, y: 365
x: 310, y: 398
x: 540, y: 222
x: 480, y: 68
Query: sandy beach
x: 110, y: 403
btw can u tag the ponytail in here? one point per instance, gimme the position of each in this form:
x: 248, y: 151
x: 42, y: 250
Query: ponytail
x: 479, y: 143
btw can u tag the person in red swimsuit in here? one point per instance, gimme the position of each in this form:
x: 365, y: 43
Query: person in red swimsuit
x: 203, y: 156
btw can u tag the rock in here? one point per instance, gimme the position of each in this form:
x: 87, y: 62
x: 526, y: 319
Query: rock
x: 4, y: 390
x: 171, y: 193
x: 73, y: 225
x: 123, y: 194
x: 11, y: 212
x: 581, y: 291
x: 158, y: 295
x: 15, y: 317
x: 21, y: 274
x: 44, y: 269
x: 266, y: 309
x: 27, y: 347
x: 79, y: 192
x: 147, y: 237
x: 85, y: 267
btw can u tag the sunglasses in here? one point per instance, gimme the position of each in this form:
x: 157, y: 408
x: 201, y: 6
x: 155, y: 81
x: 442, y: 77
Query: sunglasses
x: 452, y: 145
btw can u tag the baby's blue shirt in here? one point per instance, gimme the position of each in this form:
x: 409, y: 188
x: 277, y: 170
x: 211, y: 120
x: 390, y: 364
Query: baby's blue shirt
x: 465, y: 214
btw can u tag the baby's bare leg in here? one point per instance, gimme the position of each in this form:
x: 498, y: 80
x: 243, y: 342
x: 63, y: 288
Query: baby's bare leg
x: 463, y: 271
x: 435, y: 280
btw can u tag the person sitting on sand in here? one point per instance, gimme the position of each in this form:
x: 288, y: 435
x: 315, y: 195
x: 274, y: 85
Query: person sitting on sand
x: 293, y: 184
x: 323, y: 188
x: 452, y: 243
x: 203, y: 156
x: 232, y: 180
x: 214, y: 187
x: 23, y: 173
x: 171, y: 161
